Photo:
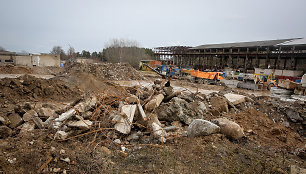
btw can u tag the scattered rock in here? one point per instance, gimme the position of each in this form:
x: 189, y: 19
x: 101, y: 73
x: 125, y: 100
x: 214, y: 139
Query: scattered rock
x: 117, y: 141
x: 229, y: 128
x: 60, y: 135
x: 105, y: 150
x: 133, y: 99
x: 293, y: 115
x: 38, y: 122
x: 27, y: 127
x: 201, y: 127
x: 296, y: 170
x: 15, y: 120
x: 46, y: 112
x: 123, y: 154
x: 5, y: 131
x: 67, y: 160
x: 219, y: 103
x: 28, y: 116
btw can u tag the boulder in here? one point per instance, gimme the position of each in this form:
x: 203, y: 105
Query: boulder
x: 15, y: 120
x: 5, y: 131
x: 229, y: 128
x: 201, y: 127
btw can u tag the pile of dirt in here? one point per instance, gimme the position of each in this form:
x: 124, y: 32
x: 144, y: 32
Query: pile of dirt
x: 105, y: 71
x: 11, y: 69
x: 31, y: 88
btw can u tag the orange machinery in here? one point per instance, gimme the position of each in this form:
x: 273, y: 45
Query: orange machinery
x: 206, y: 77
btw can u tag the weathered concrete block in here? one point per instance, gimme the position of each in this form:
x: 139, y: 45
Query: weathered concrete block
x: 229, y: 128
x: 235, y: 98
x: 60, y: 135
x: 15, y: 120
x: 38, y: 122
x: 201, y: 127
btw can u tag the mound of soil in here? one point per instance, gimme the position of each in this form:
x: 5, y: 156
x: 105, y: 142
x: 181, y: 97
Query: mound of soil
x: 10, y: 69
x: 106, y: 71
x: 261, y: 129
x: 29, y: 88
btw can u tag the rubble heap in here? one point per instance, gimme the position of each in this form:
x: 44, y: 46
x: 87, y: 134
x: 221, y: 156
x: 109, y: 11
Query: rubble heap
x: 106, y: 71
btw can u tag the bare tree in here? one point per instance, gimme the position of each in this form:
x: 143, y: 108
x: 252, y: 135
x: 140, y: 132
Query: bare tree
x: 59, y: 51
x: 123, y: 50
x: 71, y: 52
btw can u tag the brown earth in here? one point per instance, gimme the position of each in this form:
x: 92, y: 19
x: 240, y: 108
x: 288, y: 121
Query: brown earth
x: 268, y: 147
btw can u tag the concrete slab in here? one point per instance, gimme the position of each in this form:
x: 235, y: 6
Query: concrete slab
x: 235, y: 98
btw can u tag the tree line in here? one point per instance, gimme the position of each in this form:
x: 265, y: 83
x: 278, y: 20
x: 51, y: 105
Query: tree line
x: 116, y: 50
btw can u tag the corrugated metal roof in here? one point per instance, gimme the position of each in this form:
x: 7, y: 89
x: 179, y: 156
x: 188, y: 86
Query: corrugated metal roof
x: 246, y: 44
x: 300, y: 41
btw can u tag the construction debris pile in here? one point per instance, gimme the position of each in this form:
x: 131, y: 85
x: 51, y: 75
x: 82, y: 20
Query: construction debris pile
x: 105, y: 71
x: 145, y: 115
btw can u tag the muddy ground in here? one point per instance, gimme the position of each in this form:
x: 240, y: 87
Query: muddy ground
x: 273, y: 143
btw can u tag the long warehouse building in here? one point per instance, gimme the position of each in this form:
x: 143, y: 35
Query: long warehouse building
x: 289, y: 54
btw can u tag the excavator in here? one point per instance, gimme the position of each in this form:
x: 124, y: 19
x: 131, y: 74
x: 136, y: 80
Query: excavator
x: 258, y: 82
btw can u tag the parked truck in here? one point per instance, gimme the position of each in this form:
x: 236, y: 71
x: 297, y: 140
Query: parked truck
x: 206, y: 77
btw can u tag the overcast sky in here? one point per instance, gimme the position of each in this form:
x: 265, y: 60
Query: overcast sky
x: 38, y: 25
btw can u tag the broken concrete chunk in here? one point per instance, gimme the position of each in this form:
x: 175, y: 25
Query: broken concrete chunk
x: 168, y: 90
x: 27, y: 127
x: 28, y: 116
x: 125, y: 119
x: 129, y: 111
x: 159, y: 132
x: 170, y: 128
x: 5, y: 131
x: 235, y: 98
x: 4, y: 120
x: 15, y: 120
x: 229, y: 128
x: 81, y: 124
x: 201, y: 127
x: 133, y: 99
x: 154, y: 102
x: 219, y: 103
x: 141, y: 112
x: 38, y: 122
x: 64, y: 116
x: 60, y: 135
x: 46, y: 112
x: 293, y: 115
